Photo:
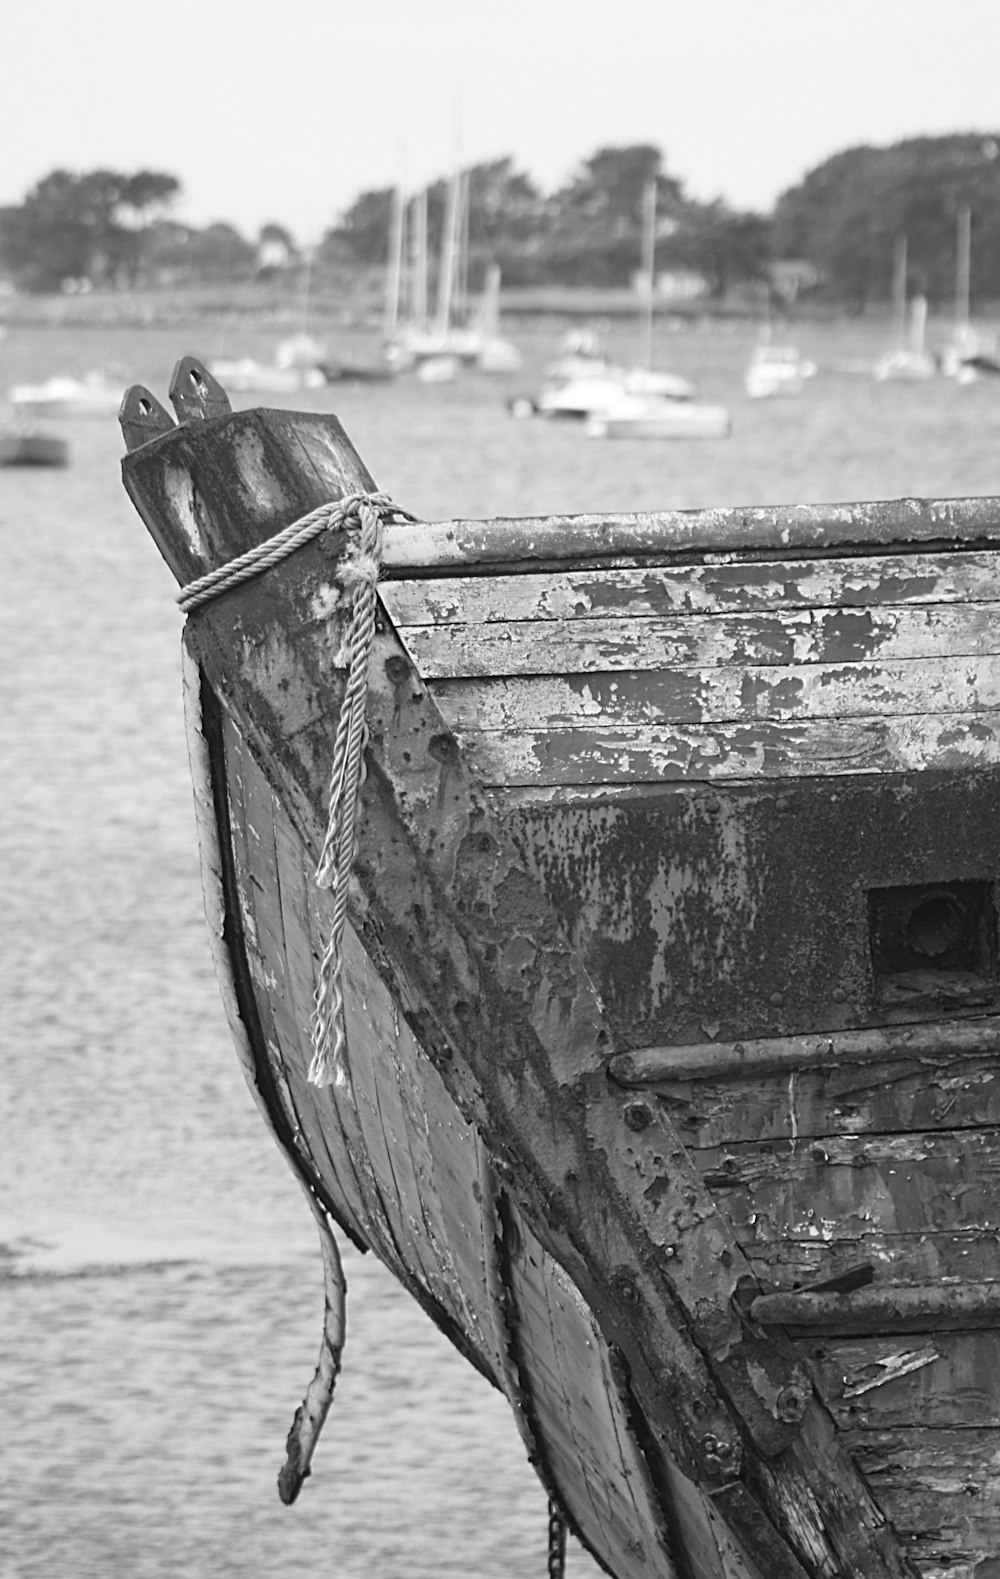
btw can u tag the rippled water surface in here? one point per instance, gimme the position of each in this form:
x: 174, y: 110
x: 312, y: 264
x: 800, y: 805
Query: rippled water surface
x: 160, y: 1290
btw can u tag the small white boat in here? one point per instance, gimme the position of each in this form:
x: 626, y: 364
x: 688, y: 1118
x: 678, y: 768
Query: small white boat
x: 300, y: 351
x: 777, y: 370
x: 969, y: 357
x: 589, y: 395
x: 249, y: 377
x: 594, y: 391
x: 658, y: 417
x: 96, y: 395
x: 24, y: 447
x: 440, y: 368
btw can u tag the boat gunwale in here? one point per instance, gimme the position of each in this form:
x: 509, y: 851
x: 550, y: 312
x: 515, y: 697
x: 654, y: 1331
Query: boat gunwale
x: 526, y: 543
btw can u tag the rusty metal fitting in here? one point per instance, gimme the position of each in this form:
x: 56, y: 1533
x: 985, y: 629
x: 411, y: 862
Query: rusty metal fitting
x: 443, y: 748
x: 792, y: 1402
x: 397, y: 668
x: 638, y: 1115
x: 627, y: 1290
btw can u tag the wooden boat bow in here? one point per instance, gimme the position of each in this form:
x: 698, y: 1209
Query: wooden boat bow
x: 707, y: 1449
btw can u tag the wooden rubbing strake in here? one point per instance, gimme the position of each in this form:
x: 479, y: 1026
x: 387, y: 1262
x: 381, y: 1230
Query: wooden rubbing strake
x: 945, y: 1041
x: 930, y: 1308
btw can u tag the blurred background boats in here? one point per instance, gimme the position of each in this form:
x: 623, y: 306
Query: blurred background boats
x: 625, y: 399
x: 92, y: 394
x: 457, y: 337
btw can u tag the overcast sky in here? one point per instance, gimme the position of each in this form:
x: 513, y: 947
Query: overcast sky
x: 286, y: 110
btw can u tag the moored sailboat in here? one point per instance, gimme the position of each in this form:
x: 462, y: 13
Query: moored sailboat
x: 910, y: 358
x: 619, y: 401
x: 437, y: 350
x: 968, y: 355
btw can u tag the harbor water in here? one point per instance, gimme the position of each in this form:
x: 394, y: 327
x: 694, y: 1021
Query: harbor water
x: 160, y: 1284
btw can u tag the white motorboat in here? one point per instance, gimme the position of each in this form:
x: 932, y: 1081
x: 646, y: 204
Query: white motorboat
x: 96, y: 395
x: 439, y: 368
x: 584, y: 383
x: 637, y: 416
x: 777, y: 370
x: 595, y: 391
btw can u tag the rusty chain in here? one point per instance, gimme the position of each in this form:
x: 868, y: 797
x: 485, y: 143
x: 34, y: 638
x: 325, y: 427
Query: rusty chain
x: 557, y: 1543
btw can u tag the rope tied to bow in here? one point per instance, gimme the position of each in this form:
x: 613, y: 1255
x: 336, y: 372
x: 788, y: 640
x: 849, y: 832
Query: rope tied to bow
x: 364, y: 515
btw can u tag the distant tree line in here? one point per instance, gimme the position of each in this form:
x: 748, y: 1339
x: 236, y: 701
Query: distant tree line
x: 846, y: 215
x: 105, y: 227
x: 586, y: 233
x: 843, y: 219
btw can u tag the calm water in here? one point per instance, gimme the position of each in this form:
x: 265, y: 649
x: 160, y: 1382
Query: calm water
x: 160, y: 1312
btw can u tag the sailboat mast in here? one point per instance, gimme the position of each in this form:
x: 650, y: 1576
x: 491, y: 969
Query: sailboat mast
x: 420, y: 259
x: 648, y: 272
x: 462, y: 295
x: 899, y: 291
x: 394, y: 272
x: 962, y: 270
x: 449, y: 252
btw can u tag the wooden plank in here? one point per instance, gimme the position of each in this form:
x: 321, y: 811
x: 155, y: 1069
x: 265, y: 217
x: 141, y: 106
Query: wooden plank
x: 780, y: 638
x: 576, y: 1416
x: 939, y: 1380
x: 736, y: 752
x: 445, y: 1145
x: 207, y: 757
x: 253, y: 811
x: 370, y: 1029
x: 936, y: 1480
x: 443, y: 1155
x: 731, y: 586
x: 723, y: 695
x: 441, y: 1244
x: 788, y: 1261
x: 321, y: 1119
x: 949, y: 1092
x: 842, y: 1191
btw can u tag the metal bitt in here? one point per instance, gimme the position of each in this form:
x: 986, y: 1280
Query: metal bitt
x: 194, y: 394
x: 142, y: 418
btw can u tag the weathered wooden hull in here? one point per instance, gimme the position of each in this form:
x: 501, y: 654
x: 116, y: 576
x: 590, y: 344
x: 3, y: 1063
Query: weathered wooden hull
x: 671, y: 980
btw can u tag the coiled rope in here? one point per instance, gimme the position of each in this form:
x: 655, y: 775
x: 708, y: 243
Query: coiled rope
x: 364, y: 513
